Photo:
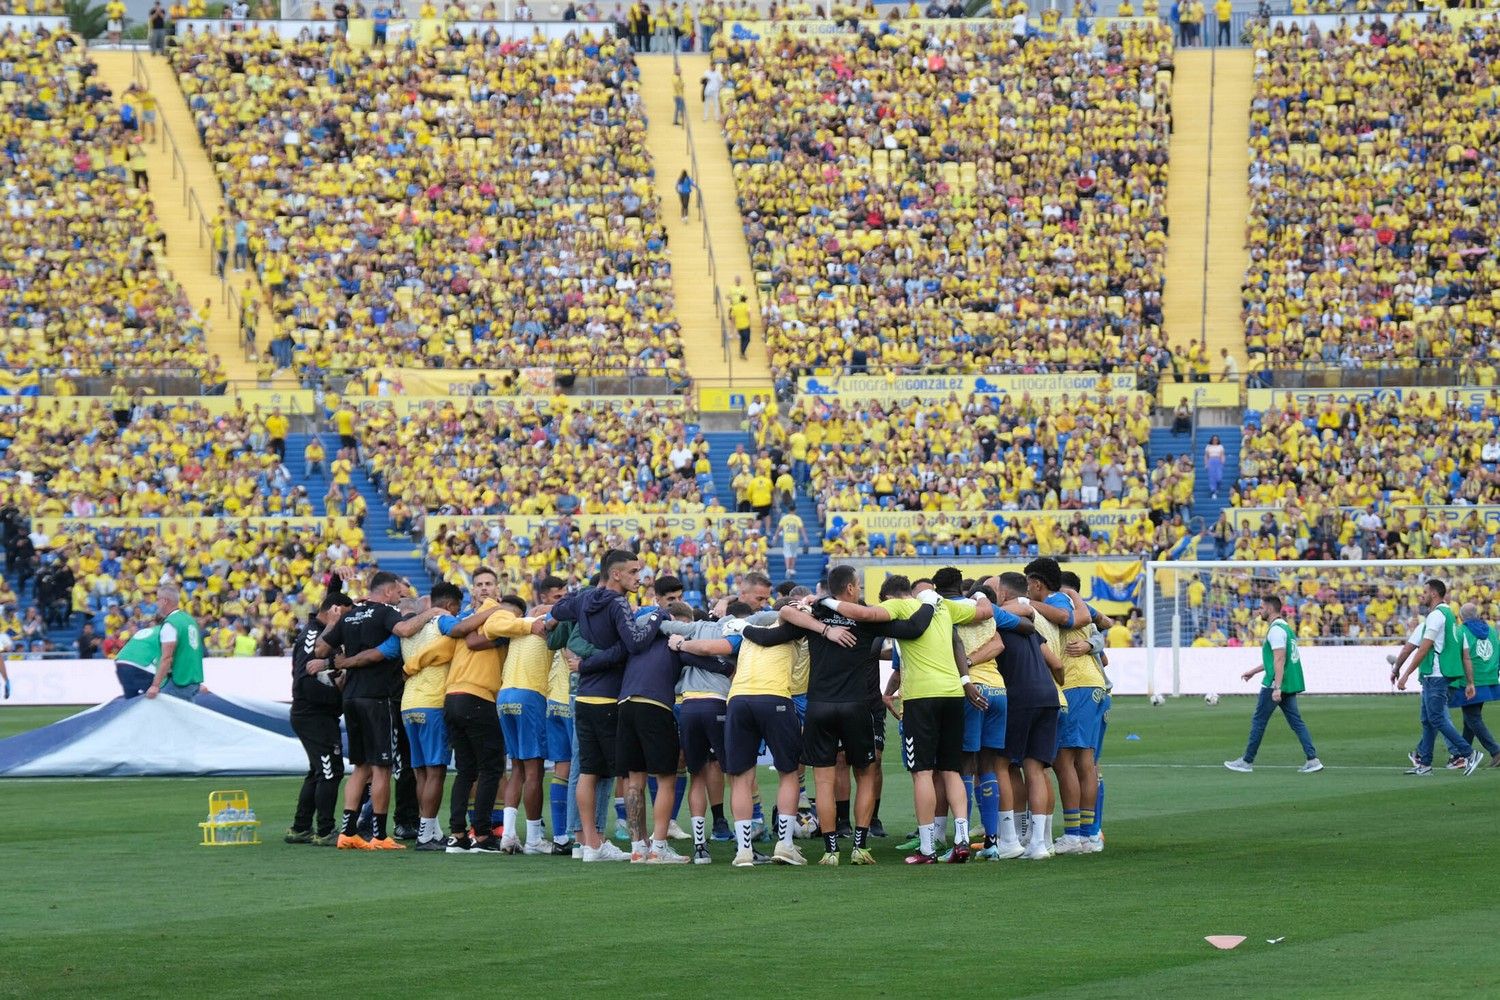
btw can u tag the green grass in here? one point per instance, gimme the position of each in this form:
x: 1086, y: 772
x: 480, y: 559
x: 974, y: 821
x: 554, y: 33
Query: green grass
x: 1381, y: 885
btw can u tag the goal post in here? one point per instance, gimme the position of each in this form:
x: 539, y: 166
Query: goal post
x: 1203, y: 630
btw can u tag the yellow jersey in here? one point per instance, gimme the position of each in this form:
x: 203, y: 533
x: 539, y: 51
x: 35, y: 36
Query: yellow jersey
x: 974, y: 635
x: 1080, y: 671
x: 1050, y: 635
x: 528, y: 661
x: 765, y: 669
x: 426, y: 656
x: 559, y: 686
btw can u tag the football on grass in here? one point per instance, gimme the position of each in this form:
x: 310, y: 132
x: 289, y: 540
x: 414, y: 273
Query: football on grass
x: 1211, y: 698
x: 1158, y: 699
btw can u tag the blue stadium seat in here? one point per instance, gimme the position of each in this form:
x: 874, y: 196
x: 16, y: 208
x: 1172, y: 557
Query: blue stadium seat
x: 1031, y: 550
x: 877, y: 540
x: 946, y: 549
x: 693, y: 597
x: 989, y: 550
x: 968, y: 550
x: 924, y: 550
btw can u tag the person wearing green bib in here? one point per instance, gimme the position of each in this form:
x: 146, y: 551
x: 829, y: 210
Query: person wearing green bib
x: 1440, y: 659
x: 1486, y: 656
x: 1281, y: 662
x: 179, y: 669
x: 136, y: 661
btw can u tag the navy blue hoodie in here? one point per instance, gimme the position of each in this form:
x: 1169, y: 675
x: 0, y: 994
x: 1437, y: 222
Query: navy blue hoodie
x: 606, y: 622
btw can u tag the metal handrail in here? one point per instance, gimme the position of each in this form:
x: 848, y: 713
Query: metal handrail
x: 713, y: 263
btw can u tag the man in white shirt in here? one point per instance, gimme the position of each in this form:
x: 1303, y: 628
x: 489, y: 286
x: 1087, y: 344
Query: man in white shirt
x: 1436, y: 649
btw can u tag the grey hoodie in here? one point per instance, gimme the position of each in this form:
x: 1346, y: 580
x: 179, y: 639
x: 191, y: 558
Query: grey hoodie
x: 710, y: 674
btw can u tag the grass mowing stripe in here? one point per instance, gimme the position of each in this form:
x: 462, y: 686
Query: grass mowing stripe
x: 1369, y: 875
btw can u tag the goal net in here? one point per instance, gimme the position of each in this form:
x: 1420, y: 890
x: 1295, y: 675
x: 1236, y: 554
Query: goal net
x: 1204, y: 629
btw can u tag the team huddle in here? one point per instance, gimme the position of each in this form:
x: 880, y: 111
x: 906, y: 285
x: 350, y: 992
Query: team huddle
x: 993, y: 683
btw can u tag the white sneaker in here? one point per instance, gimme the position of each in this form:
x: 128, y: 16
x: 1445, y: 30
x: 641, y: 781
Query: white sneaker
x: 1036, y: 852
x: 1093, y: 844
x: 1239, y: 764
x: 1313, y: 766
x: 1068, y: 844
x: 589, y: 855
x: 664, y: 856
x: 744, y: 859
x: 536, y: 847
x: 1472, y: 762
x: 1008, y: 852
x: 787, y: 854
x: 578, y: 850
x: 675, y: 832
x: 510, y: 845
x: 609, y: 852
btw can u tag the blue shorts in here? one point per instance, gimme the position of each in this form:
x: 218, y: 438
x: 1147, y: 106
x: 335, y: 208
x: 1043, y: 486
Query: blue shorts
x: 985, y: 730
x: 1079, y: 727
x: 799, y: 702
x: 427, y: 732
x: 559, y: 731
x: 1103, y: 725
x: 523, y: 723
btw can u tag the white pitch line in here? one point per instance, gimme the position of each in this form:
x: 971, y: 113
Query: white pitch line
x: 1396, y: 768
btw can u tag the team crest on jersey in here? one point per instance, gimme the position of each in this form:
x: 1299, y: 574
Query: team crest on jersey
x: 1098, y: 695
x: 1484, y: 649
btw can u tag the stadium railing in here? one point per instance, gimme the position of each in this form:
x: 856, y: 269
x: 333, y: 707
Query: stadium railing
x: 190, y: 201
x: 708, y: 245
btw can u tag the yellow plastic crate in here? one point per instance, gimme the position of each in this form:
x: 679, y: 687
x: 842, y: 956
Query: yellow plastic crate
x: 231, y: 822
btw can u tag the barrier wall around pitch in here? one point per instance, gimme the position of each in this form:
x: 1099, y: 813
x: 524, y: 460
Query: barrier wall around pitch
x: 1329, y: 670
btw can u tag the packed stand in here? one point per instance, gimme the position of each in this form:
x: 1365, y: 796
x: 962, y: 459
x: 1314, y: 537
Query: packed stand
x: 238, y: 578
x: 996, y: 455
x: 1334, y: 607
x: 136, y: 458
x: 1369, y: 237
x: 474, y: 203
x: 537, y: 457
x: 1342, y: 476
x: 709, y: 562
x: 954, y: 200
x: 82, y: 291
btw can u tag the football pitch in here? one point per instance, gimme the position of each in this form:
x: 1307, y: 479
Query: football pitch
x: 1373, y: 884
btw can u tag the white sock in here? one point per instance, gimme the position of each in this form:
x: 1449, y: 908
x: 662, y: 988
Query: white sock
x: 640, y: 846
x: 1038, y: 836
x: 940, y: 827
x: 560, y: 838
x: 784, y: 828
x: 1047, y: 829
x: 960, y: 831
x: 533, y: 831
x: 1008, y: 828
x: 924, y: 835
x: 1024, y: 828
x: 658, y: 845
x: 700, y: 831
x: 427, y: 830
x: 510, y: 822
x: 742, y: 833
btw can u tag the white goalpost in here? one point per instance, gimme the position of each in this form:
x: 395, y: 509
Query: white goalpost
x: 1202, y: 619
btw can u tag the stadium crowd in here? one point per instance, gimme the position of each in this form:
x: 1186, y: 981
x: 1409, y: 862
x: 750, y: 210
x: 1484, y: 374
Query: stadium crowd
x: 474, y: 203
x: 250, y: 582
x: 137, y: 458
x: 877, y: 199
x: 1351, y: 479
x: 1369, y: 238
x: 709, y: 562
x: 524, y: 457
x: 81, y: 291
